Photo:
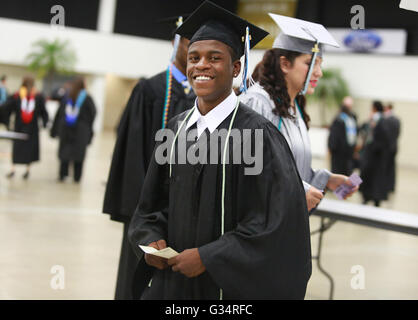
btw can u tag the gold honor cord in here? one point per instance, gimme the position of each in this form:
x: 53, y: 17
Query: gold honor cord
x: 223, y: 167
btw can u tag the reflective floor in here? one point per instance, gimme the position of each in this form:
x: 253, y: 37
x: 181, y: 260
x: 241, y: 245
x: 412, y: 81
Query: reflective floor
x: 56, y: 244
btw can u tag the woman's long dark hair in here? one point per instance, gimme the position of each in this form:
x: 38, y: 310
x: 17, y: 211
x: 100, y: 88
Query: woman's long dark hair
x: 271, y: 78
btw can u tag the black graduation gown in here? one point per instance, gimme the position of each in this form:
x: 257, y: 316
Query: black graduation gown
x: 373, y: 164
x: 265, y: 252
x: 393, y: 128
x: 74, y: 139
x: 341, y: 151
x: 26, y: 151
x: 141, y: 119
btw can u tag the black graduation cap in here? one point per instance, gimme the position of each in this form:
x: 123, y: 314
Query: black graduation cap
x: 212, y: 22
x: 174, y: 22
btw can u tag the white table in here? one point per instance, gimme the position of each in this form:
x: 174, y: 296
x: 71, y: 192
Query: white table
x: 13, y: 135
x: 386, y: 219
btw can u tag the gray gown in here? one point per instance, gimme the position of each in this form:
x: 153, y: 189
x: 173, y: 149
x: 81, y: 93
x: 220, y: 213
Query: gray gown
x: 295, y: 132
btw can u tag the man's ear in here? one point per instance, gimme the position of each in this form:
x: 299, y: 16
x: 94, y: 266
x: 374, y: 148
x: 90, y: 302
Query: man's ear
x: 236, y: 67
x: 285, y: 64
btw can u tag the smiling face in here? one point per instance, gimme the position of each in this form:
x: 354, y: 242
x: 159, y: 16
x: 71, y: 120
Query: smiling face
x: 210, y: 70
x: 296, y: 72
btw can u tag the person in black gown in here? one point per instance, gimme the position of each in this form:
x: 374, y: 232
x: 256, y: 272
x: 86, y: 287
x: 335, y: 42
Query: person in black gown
x: 239, y: 235
x: 152, y: 103
x: 28, y: 106
x: 374, y: 155
x: 342, y: 139
x: 393, y: 127
x: 73, y: 124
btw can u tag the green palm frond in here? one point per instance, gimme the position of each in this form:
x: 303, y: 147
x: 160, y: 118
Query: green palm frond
x: 331, y: 89
x: 49, y: 57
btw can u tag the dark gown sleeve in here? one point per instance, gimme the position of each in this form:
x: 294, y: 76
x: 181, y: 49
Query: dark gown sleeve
x: 380, y: 138
x: 267, y: 255
x: 57, y: 120
x: 336, y: 136
x: 129, y: 160
x: 149, y: 222
x: 91, y: 116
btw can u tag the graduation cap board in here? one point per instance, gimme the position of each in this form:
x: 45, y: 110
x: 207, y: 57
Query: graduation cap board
x: 212, y: 22
x: 304, y: 37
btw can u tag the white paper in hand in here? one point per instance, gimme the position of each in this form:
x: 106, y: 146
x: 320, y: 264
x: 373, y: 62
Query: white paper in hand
x: 167, y: 253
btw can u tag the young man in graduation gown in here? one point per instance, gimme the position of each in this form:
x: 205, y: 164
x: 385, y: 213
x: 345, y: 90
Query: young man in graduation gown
x: 239, y: 235
x: 153, y: 101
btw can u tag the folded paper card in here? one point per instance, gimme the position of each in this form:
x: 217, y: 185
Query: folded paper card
x: 344, y: 189
x: 167, y: 253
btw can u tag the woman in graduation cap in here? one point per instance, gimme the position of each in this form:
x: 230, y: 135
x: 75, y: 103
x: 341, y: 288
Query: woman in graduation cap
x: 28, y: 106
x: 73, y: 124
x: 239, y: 235
x: 289, y: 71
x: 152, y: 103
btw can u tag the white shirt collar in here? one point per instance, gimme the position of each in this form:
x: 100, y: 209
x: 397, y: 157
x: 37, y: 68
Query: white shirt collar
x: 213, y: 118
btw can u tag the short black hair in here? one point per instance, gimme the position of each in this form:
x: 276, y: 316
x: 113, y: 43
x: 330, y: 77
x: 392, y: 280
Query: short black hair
x: 3, y: 78
x: 234, y: 55
x: 378, y: 106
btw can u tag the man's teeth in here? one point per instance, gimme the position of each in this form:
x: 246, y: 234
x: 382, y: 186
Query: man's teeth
x: 202, y: 78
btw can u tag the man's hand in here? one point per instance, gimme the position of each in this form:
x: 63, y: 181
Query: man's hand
x: 313, y: 197
x: 154, y: 261
x: 188, y: 263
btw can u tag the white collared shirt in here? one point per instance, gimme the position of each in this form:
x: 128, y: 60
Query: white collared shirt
x: 214, y: 117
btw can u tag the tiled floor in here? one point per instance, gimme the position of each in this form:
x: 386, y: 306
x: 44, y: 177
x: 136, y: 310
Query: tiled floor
x: 47, y: 226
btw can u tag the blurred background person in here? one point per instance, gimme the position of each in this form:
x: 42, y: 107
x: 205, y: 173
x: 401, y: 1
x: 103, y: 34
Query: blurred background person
x: 27, y: 106
x: 342, y: 139
x: 3, y: 98
x: 73, y: 124
x: 3, y: 90
x: 393, y: 127
x: 373, y: 157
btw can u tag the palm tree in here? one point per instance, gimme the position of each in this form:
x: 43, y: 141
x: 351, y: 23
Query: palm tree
x: 50, y: 58
x: 331, y: 90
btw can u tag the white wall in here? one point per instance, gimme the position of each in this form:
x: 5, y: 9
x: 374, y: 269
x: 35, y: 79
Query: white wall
x: 98, y: 53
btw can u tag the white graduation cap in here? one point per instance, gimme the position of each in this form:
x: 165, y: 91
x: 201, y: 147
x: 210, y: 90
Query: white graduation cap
x: 302, y: 36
